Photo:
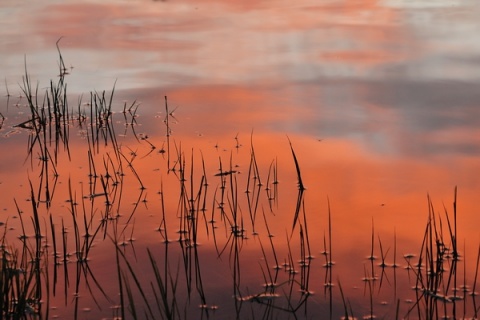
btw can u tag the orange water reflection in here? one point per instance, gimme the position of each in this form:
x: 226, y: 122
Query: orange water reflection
x: 367, y: 192
x: 373, y: 141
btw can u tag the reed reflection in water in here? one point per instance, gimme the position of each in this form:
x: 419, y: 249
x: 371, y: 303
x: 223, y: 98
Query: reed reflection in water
x: 170, y: 224
x: 314, y: 177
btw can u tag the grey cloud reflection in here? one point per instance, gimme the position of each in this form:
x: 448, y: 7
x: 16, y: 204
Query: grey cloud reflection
x: 433, y: 116
x: 113, y: 26
x: 338, y: 69
x: 420, y: 119
x: 290, y: 39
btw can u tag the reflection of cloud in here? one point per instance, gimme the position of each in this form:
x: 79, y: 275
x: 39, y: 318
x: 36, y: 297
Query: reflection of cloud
x: 432, y: 109
x: 421, y: 4
x: 245, y: 42
x: 399, y: 117
x: 396, y: 118
x: 361, y: 57
x: 341, y: 68
x: 113, y: 27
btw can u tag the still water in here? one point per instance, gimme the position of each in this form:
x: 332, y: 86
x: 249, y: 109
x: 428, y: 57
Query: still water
x: 379, y: 100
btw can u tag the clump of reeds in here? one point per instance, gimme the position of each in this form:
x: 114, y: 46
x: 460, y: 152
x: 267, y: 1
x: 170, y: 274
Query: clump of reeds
x: 437, y: 270
x: 175, y: 281
x: 22, y: 271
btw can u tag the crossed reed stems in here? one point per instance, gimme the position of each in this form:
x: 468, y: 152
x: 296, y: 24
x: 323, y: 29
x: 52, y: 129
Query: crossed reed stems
x: 33, y: 269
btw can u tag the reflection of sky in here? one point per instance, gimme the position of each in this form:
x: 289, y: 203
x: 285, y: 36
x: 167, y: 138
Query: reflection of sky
x: 376, y: 83
x: 295, y: 42
x: 397, y: 77
x: 390, y: 86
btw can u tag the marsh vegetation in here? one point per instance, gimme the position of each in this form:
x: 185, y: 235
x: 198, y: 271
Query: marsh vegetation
x: 113, y: 222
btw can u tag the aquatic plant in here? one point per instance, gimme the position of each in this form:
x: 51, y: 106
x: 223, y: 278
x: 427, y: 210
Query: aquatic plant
x: 234, y: 214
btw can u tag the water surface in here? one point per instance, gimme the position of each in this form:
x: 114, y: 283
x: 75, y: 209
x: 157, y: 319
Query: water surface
x: 379, y: 99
